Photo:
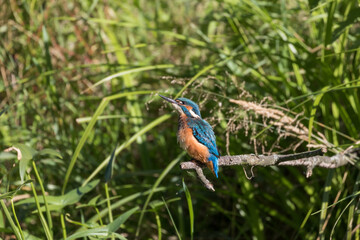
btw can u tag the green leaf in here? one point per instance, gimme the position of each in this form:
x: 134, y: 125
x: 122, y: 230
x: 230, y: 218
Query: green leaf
x: 88, y: 129
x: 111, y: 198
x: 313, y: 3
x: 352, y: 18
x: 314, y: 108
x: 190, y: 206
x: 27, y: 153
x: 102, y: 231
x: 325, y: 202
x: 8, y: 216
x: 52, y: 152
x: 129, y: 142
x: 109, y: 168
x: 59, y: 202
x: 6, y: 230
x: 119, y: 203
x: 172, y: 220
x: 121, y: 219
x: 156, y: 184
x: 6, y: 156
x: 75, y: 195
x: 2, y: 111
x: 28, y: 236
x: 157, y: 203
x: 329, y: 22
x: 106, y: 230
x: 51, y: 208
x: 11, y: 194
x: 129, y: 71
x: 193, y: 79
x: 93, y: 201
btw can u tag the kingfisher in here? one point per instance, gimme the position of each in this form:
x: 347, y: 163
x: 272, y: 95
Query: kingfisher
x: 195, y: 135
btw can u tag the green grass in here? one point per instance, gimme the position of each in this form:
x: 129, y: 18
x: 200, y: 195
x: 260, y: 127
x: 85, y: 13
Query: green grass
x: 78, y: 78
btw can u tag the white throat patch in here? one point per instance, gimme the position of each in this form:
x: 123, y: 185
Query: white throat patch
x: 177, y: 107
x: 193, y: 114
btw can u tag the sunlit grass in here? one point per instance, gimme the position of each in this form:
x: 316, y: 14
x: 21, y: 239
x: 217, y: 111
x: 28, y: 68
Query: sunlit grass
x: 80, y: 77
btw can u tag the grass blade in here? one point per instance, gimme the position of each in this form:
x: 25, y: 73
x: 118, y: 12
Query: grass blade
x: 172, y: 220
x: 156, y: 184
x: 313, y: 111
x: 325, y: 203
x: 9, y: 218
x: 115, y: 225
x: 190, y: 206
x: 84, y: 137
x: 128, y: 143
x: 123, y: 73
x: 119, y: 203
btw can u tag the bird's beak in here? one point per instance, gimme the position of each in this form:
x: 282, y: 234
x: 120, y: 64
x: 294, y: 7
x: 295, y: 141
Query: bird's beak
x: 174, y: 103
x: 169, y: 99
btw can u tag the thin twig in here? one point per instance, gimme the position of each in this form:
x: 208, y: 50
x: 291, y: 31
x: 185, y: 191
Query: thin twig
x: 317, y: 152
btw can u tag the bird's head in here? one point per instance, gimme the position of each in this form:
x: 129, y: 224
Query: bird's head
x: 185, y: 106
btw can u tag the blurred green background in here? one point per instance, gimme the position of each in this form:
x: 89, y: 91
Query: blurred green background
x: 80, y: 80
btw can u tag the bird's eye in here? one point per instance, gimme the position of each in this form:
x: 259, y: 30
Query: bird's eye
x: 181, y: 102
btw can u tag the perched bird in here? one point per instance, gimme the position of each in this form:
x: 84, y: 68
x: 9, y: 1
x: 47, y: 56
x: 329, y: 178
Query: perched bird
x: 195, y: 135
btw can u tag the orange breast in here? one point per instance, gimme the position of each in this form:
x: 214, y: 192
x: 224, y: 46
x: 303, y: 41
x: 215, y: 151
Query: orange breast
x: 195, y: 149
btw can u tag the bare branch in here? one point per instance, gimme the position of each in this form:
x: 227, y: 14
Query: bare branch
x: 308, y: 159
x: 202, y: 177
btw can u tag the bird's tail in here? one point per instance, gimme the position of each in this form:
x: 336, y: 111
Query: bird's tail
x: 213, y: 160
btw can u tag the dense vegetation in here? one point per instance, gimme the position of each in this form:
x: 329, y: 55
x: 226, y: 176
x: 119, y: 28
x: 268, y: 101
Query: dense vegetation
x: 78, y: 88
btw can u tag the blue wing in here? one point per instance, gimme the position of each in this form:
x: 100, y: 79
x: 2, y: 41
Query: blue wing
x: 204, y: 133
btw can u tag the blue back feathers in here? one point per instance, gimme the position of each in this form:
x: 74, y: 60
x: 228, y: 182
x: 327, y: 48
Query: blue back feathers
x: 202, y: 131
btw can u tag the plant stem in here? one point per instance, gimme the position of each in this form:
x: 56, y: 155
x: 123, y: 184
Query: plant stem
x: 63, y: 225
x: 8, y: 216
x: 109, y: 206
x: 48, y: 215
x: 108, y: 202
x: 42, y: 219
x: 16, y: 219
x: 98, y: 213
